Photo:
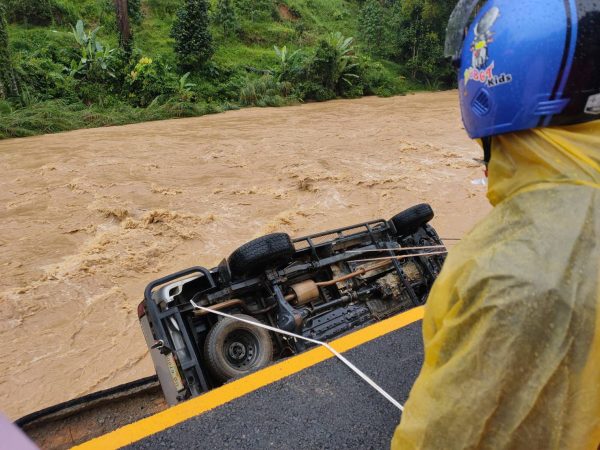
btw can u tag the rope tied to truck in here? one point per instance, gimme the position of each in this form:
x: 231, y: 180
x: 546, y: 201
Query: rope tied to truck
x: 337, y: 354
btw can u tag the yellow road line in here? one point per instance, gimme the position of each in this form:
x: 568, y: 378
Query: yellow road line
x: 224, y: 394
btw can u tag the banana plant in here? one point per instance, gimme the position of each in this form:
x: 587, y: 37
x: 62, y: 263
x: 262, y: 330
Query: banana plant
x: 286, y: 61
x: 95, y: 59
x: 185, y: 88
x: 345, y: 58
x: 184, y: 85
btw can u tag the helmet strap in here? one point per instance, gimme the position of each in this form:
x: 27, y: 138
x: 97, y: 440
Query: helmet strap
x: 487, y: 149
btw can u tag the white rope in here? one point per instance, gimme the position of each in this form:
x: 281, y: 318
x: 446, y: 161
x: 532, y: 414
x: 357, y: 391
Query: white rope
x: 338, y: 355
x: 400, y: 249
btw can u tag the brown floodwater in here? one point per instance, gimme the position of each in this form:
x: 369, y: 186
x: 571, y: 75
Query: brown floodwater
x: 89, y: 217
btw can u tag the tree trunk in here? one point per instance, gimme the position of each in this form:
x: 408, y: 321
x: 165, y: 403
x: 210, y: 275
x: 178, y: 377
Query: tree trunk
x: 123, y: 24
x: 9, y: 87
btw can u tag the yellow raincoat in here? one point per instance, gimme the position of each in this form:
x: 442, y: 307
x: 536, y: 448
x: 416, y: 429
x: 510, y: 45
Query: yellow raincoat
x: 512, y: 325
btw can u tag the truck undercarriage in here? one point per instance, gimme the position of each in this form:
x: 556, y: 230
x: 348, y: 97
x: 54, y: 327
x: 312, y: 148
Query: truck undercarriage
x: 319, y: 286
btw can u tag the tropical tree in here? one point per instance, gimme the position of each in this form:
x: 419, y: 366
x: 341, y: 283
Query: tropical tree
x: 372, y: 26
x: 419, y: 31
x: 334, y: 65
x: 193, y: 41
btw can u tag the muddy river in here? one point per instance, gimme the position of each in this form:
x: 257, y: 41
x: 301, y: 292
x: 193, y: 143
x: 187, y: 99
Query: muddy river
x: 90, y: 217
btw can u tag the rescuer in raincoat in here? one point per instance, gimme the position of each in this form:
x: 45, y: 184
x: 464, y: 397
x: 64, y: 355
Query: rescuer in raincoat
x: 512, y: 325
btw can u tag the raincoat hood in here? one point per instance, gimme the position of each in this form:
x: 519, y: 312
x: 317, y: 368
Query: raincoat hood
x: 535, y: 158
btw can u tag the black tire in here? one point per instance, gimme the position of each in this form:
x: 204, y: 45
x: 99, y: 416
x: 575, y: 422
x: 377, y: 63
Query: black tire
x: 408, y: 221
x: 265, y: 252
x: 233, y: 349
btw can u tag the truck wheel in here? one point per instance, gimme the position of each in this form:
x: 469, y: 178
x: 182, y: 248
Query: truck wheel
x: 233, y: 349
x: 265, y: 252
x: 408, y: 221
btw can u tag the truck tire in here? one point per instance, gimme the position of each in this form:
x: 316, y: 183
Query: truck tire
x: 233, y: 349
x: 408, y: 221
x: 265, y: 252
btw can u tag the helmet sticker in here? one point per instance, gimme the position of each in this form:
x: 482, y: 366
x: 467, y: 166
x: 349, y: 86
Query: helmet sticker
x: 593, y: 105
x: 483, y: 37
x: 480, y: 71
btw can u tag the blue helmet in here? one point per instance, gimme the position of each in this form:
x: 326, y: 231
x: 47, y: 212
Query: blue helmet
x: 526, y: 64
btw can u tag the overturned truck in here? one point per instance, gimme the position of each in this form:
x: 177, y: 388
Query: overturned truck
x: 319, y: 286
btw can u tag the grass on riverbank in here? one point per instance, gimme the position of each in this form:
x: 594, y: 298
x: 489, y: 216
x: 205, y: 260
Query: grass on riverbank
x: 54, y: 116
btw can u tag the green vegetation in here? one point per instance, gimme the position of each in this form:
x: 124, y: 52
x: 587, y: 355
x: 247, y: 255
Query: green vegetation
x: 61, y: 65
x: 8, y: 82
x: 372, y: 26
x: 226, y: 17
x: 134, y: 9
x: 191, y: 31
x: 410, y: 32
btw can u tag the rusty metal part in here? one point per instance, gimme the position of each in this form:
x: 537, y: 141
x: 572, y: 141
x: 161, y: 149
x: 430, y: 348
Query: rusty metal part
x: 261, y: 311
x: 234, y: 302
x: 308, y: 291
x: 411, y: 270
x: 355, y: 274
x: 305, y: 292
x: 219, y: 306
x: 362, y: 271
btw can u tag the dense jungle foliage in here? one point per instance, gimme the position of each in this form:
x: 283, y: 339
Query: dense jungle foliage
x: 67, y: 64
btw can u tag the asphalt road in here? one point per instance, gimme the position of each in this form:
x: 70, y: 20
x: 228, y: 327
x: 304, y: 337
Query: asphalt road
x: 325, y: 406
